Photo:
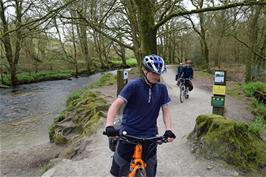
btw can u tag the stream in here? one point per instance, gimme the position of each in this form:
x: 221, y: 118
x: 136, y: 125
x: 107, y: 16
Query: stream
x: 28, y: 110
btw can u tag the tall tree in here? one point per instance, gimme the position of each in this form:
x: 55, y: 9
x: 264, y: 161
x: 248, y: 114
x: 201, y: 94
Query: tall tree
x: 12, y: 53
x: 14, y: 26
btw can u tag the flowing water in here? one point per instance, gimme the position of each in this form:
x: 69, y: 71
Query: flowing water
x: 27, y: 110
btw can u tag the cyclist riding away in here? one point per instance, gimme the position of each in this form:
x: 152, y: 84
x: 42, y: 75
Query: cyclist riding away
x: 178, y: 71
x: 143, y: 98
x: 187, y: 74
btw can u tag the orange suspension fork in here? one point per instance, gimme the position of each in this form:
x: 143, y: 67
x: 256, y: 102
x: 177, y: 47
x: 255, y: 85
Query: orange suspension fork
x: 137, y: 161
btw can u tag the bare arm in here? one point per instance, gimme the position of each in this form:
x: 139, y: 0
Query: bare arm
x: 112, y: 111
x: 167, y: 119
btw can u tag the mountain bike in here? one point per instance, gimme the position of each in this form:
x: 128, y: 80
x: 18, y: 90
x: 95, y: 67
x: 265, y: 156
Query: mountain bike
x: 137, y: 165
x: 183, y: 89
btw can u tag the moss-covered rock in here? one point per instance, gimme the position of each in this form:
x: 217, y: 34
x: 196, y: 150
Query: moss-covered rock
x: 79, y: 118
x: 216, y: 137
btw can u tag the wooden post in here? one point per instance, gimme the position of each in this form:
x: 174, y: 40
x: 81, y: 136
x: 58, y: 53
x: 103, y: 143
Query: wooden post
x: 217, y: 110
x: 122, y: 78
x: 120, y: 81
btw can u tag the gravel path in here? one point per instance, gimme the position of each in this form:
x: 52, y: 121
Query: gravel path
x: 174, y: 159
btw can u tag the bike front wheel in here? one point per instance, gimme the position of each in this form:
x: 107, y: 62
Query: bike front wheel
x: 182, y: 93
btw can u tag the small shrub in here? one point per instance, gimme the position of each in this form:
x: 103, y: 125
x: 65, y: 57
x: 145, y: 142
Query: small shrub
x: 251, y: 87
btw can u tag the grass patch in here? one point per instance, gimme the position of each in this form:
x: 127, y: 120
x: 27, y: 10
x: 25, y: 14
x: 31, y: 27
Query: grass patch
x: 106, y: 79
x: 257, y: 125
x: 251, y: 87
x: 130, y: 61
x: 203, y: 74
x: 260, y: 107
x: 30, y: 77
x: 236, y: 90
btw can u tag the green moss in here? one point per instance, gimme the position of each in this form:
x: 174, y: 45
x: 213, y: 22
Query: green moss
x: 82, y: 113
x: 51, y: 129
x: 88, y: 127
x: 106, y: 79
x: 59, y: 139
x: 29, y: 77
x: 220, y: 138
x: 69, y: 152
x: 80, y: 118
x: 73, y: 97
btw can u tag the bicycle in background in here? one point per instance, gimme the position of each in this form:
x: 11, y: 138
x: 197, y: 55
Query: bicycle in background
x: 183, y: 89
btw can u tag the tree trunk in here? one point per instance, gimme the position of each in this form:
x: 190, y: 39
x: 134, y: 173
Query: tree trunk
x: 82, y: 34
x: 204, y: 46
x: 135, y: 30
x: 74, y: 49
x: 252, y: 35
x: 148, y: 32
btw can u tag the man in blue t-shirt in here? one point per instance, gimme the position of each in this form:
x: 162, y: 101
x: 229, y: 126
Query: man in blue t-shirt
x: 143, y: 98
x: 187, y: 73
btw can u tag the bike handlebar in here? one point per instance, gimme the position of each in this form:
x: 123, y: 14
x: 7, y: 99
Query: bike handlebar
x: 136, y: 140
x: 185, y: 78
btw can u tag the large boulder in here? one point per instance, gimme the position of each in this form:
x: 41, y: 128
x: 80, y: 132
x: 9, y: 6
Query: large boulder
x: 216, y: 137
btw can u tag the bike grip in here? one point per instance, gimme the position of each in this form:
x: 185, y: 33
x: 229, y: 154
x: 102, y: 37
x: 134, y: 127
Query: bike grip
x: 104, y: 133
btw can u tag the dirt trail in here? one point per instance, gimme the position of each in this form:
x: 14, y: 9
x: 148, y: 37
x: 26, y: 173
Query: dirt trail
x: 174, y: 159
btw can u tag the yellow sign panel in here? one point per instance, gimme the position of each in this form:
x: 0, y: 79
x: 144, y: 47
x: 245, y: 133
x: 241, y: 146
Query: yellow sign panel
x: 218, y: 90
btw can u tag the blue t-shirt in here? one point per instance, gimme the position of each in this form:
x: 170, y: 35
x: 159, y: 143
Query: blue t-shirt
x: 187, y: 72
x: 142, y: 107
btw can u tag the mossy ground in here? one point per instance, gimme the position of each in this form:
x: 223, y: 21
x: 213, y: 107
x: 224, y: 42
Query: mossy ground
x: 217, y: 137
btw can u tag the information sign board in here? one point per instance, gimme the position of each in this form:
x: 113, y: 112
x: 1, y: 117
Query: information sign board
x: 218, y: 89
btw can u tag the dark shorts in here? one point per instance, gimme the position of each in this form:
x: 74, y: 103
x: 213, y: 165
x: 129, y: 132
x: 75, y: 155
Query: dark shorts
x: 124, y: 153
x: 189, y: 85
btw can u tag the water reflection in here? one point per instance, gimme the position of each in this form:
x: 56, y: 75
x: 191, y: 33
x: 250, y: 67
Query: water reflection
x: 28, y: 110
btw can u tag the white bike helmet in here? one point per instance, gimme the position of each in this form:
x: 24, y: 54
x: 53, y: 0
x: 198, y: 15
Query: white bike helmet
x: 154, y: 63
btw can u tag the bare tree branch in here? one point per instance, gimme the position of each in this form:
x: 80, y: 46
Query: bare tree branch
x: 93, y: 26
x: 250, y: 48
x: 208, y: 9
x: 50, y: 14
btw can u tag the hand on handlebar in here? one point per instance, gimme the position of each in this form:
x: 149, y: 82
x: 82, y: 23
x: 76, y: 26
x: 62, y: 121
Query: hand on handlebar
x: 169, y: 135
x: 111, y: 131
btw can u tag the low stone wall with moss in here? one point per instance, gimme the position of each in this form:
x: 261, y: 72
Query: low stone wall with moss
x: 216, y: 137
